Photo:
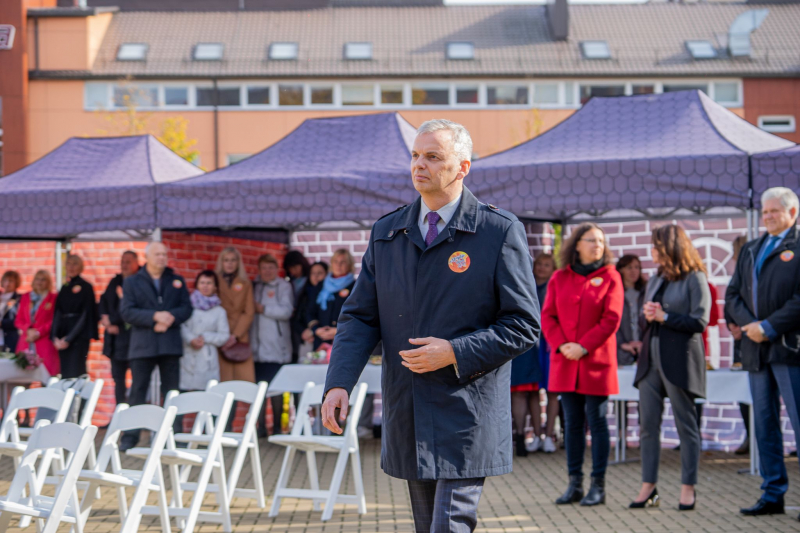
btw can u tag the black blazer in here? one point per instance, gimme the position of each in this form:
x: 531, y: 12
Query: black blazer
x: 10, y: 331
x: 687, y: 303
x: 115, y: 346
x: 778, y: 301
x: 319, y: 318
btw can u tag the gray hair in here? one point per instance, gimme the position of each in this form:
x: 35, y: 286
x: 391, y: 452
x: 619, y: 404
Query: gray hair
x: 150, y: 246
x: 462, y: 142
x: 787, y: 197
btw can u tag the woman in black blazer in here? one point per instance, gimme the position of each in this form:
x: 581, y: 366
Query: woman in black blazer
x: 324, y: 313
x: 672, y: 362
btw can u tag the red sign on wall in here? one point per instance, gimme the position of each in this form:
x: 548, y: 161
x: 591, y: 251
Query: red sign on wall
x: 6, y: 36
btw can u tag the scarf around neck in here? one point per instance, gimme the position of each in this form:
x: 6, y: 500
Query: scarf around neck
x: 585, y: 270
x: 332, y: 286
x: 204, y: 303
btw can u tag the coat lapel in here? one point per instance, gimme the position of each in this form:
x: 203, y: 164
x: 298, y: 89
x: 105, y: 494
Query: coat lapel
x: 653, y: 289
x: 464, y: 219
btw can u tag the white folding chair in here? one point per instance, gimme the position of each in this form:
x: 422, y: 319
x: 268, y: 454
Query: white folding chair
x: 206, y: 431
x: 150, y: 479
x: 244, y: 442
x: 49, y: 440
x: 302, y: 439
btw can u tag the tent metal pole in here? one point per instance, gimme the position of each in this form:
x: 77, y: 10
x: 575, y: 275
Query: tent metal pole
x: 59, y: 267
x: 156, y: 235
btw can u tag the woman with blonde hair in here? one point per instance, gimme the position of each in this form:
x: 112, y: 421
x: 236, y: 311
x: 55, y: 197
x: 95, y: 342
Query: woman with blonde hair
x: 336, y: 288
x: 236, y: 293
x: 35, y: 321
x: 672, y: 363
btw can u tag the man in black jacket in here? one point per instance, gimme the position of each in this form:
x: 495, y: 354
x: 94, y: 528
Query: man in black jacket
x: 117, y: 334
x: 155, y: 304
x: 763, y: 299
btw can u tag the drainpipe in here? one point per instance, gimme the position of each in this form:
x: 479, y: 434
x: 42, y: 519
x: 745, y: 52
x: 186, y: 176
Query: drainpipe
x: 216, y: 125
x: 36, y: 41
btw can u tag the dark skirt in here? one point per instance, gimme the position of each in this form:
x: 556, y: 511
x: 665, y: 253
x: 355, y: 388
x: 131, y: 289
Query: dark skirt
x: 73, y: 359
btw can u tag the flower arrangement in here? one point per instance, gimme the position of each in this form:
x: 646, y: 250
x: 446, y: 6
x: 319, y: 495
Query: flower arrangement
x: 24, y: 360
x: 318, y: 357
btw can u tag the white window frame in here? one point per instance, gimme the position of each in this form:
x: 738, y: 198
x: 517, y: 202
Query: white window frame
x: 790, y: 128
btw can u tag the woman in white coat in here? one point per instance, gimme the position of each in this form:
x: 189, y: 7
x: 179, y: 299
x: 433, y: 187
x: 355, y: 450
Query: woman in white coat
x: 270, y: 334
x: 203, y: 333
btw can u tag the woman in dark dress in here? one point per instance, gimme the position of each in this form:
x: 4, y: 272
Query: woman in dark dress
x: 337, y: 286
x: 308, y: 299
x: 75, y: 320
x: 9, y: 305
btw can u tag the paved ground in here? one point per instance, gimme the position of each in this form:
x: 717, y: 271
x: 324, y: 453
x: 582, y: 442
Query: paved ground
x: 518, y: 502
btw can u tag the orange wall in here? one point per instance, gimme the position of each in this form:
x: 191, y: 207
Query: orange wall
x: 69, y: 43
x: 773, y: 97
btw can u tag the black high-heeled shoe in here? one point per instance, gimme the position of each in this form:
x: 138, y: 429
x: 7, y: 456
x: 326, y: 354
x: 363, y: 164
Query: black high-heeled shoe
x: 651, y: 501
x: 682, y: 507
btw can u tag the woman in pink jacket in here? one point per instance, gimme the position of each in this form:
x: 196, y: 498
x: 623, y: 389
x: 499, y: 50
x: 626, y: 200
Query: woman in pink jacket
x: 34, y: 320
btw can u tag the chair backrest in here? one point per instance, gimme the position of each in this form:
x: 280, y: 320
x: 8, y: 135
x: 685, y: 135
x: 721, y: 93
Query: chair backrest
x: 197, y: 402
x: 90, y: 394
x: 22, y: 398
x: 312, y: 395
x: 243, y: 391
x: 150, y: 417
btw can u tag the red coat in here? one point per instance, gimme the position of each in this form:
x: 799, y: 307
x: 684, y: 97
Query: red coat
x: 586, y: 310
x: 42, y: 323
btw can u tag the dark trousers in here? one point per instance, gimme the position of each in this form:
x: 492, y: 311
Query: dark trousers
x: 73, y: 359
x: 119, y: 368
x: 267, y: 372
x: 169, y: 367
x: 577, y: 409
x: 767, y: 387
x: 445, y: 505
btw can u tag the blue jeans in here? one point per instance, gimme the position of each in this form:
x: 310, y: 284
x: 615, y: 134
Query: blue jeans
x: 767, y: 386
x: 577, y: 409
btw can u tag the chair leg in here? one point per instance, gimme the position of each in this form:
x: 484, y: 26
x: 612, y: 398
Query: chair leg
x: 197, y: 497
x: 283, y: 477
x: 355, y: 466
x: 222, y: 497
x: 258, y: 475
x: 313, y: 477
x: 123, y: 503
x: 336, y: 482
x: 162, y: 505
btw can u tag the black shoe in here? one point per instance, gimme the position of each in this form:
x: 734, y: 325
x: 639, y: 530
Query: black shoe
x: 596, y: 494
x: 651, y: 501
x: 763, y: 507
x: 690, y: 507
x: 574, y: 491
x: 126, y: 443
x: 519, y: 441
x: 744, y: 448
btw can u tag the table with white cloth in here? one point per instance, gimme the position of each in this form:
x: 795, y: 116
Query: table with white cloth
x: 11, y: 374
x: 722, y: 386
x: 293, y: 378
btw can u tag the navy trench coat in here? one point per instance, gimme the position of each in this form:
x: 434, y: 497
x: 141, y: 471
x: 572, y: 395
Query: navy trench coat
x: 473, y: 286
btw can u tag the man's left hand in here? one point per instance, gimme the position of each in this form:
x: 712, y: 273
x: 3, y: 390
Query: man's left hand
x: 433, y: 354
x: 753, y: 332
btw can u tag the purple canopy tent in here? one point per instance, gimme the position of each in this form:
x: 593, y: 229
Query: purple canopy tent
x: 89, y: 185
x: 776, y: 169
x: 627, y: 158
x: 343, y: 169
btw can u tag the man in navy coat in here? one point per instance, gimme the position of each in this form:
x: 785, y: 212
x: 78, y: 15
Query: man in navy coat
x: 447, y: 285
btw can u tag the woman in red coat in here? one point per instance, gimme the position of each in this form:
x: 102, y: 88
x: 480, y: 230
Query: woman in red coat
x: 580, y: 318
x: 34, y: 320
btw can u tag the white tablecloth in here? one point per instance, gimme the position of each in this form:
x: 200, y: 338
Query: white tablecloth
x: 10, y: 372
x: 722, y: 386
x: 292, y: 378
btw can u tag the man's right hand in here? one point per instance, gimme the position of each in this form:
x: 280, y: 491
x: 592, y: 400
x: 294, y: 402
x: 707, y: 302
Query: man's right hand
x: 335, y: 399
x: 164, y: 317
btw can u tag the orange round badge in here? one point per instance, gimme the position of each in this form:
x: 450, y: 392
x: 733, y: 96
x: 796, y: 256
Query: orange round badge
x: 177, y: 284
x: 344, y: 293
x: 238, y: 287
x: 76, y: 289
x: 596, y: 282
x: 270, y: 294
x: 458, y: 262
x: 787, y: 256
x: 48, y: 305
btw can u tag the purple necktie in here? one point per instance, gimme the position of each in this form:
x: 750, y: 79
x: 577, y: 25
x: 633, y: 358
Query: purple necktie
x: 433, y: 232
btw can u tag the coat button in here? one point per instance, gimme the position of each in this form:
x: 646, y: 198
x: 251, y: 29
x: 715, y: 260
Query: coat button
x: 391, y: 233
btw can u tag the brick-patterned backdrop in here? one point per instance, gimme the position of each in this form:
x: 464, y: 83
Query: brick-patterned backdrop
x: 722, y: 424
x: 188, y: 254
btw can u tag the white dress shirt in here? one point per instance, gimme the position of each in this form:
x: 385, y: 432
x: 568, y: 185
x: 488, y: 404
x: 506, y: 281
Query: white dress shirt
x: 445, y: 213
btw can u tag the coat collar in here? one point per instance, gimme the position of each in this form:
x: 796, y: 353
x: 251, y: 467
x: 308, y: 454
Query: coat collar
x: 464, y: 219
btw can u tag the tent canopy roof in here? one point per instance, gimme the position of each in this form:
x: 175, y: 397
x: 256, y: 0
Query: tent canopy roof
x: 89, y: 185
x: 776, y: 169
x: 353, y: 168
x: 629, y: 156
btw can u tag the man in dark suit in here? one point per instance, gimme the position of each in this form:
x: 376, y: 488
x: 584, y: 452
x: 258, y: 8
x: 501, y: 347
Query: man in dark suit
x: 763, y: 299
x: 447, y: 285
x: 155, y: 303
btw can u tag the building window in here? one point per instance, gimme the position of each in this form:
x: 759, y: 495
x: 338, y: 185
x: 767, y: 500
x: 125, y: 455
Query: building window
x: 777, y: 123
x: 132, y: 52
x: 507, y: 95
x: 177, y: 96
x: 290, y: 95
x: 467, y: 95
x: 322, y: 95
x: 283, y: 51
x: 208, y: 52
x: 358, y: 51
x: 258, y: 95
x: 460, y: 51
x: 392, y: 94
x: 671, y: 88
x: 701, y: 49
x: 358, y: 94
x: 726, y: 92
x: 95, y: 95
x: 643, y: 89
x: 135, y: 96
x: 226, y: 96
x: 569, y: 93
x: 430, y: 94
x: 595, y: 50
x: 545, y: 93
x: 588, y: 91
x: 235, y: 158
